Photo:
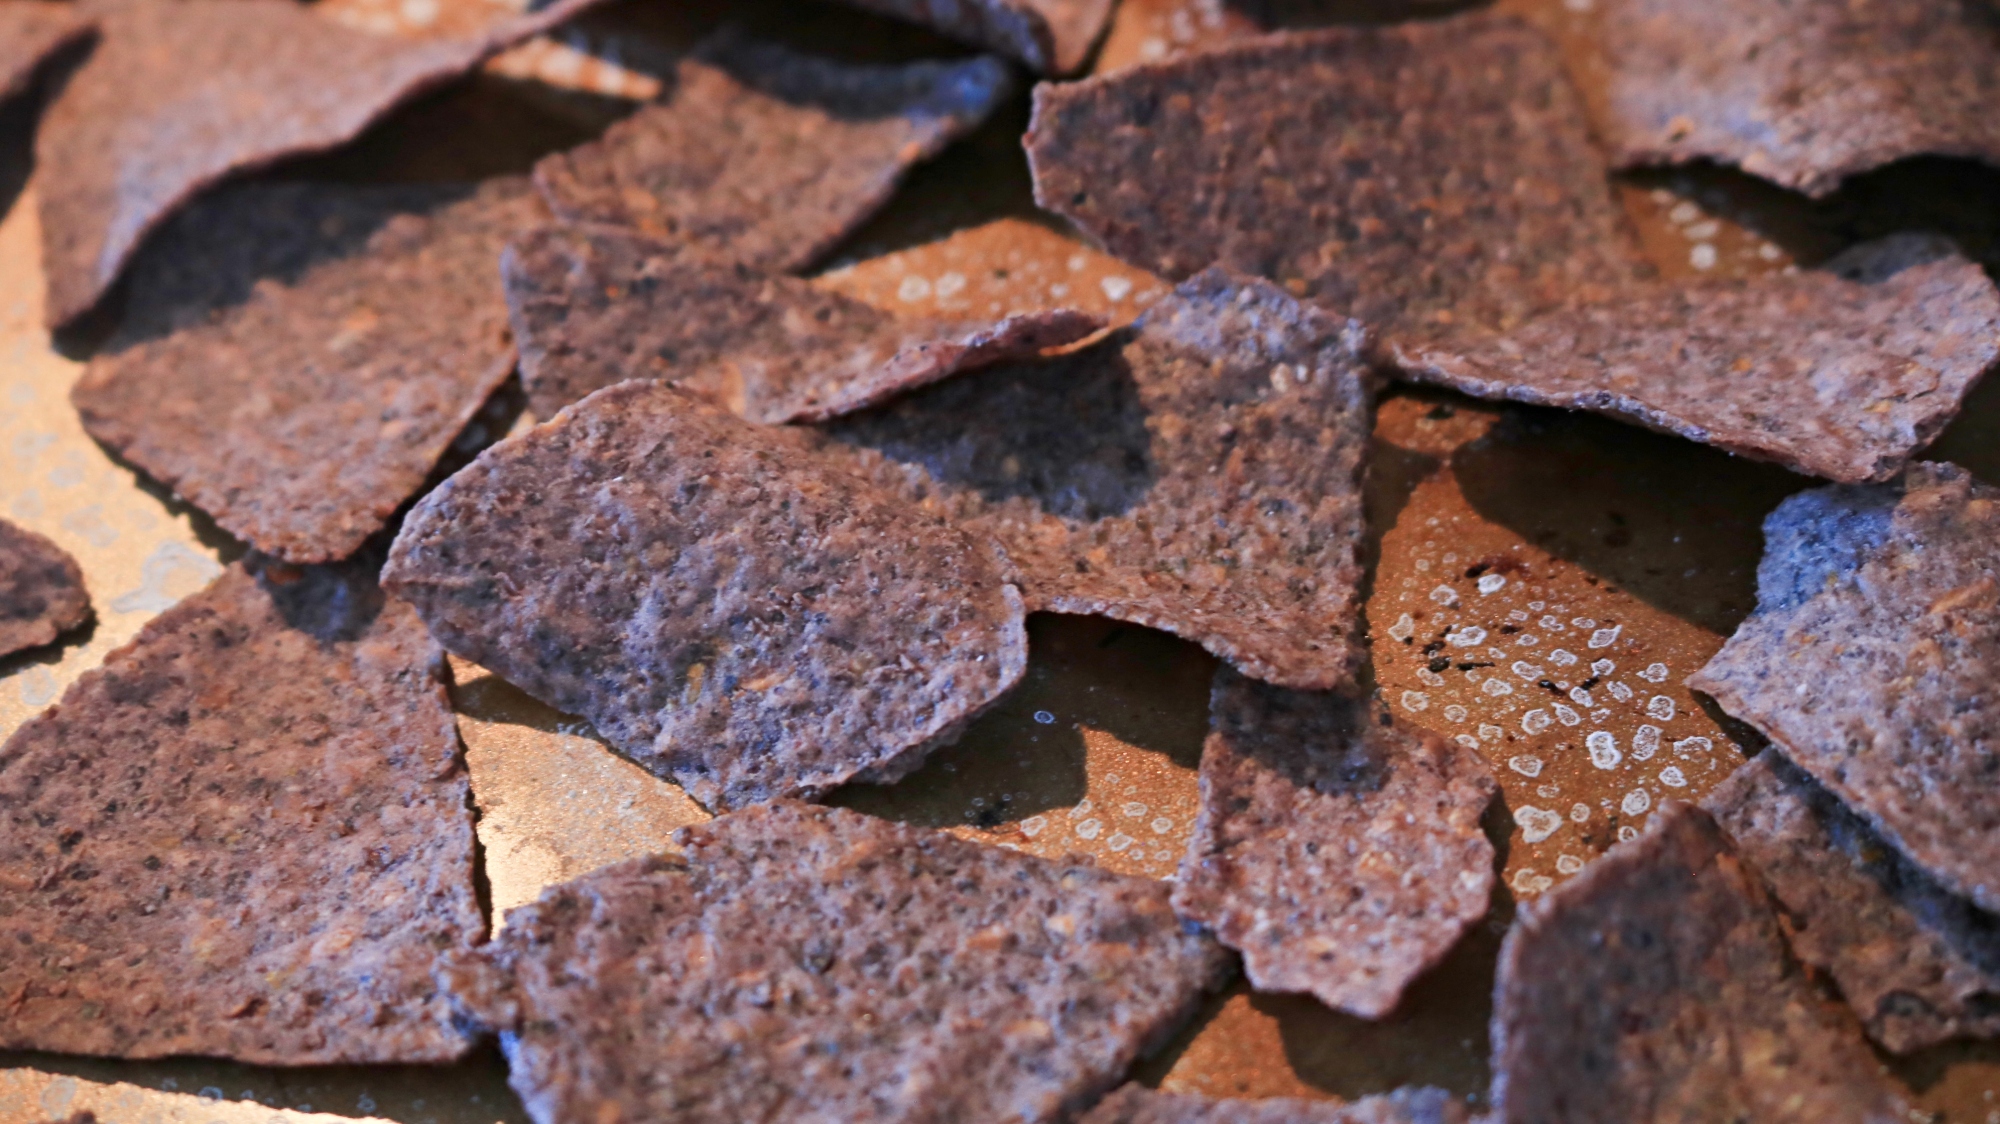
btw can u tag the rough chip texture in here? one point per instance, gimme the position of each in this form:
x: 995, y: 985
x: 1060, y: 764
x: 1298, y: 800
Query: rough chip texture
x: 1053, y: 36
x: 1916, y: 962
x: 1418, y: 177
x: 767, y: 157
x: 1654, y: 988
x: 246, y: 836
x: 1340, y: 855
x: 726, y: 609
x: 1873, y: 661
x: 1822, y: 374
x: 179, y: 95
x: 1803, y: 93
x: 42, y: 594
x: 810, y: 964
x: 30, y: 32
x: 1136, y: 1104
x: 595, y: 307
x: 1196, y: 472
x: 304, y: 417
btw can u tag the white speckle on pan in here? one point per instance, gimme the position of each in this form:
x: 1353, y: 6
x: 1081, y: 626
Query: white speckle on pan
x: 1526, y: 881
x: 1455, y: 713
x: 913, y: 289
x: 1416, y: 701
x: 1526, y: 670
x: 1655, y: 673
x: 1493, y: 583
x: 1467, y: 637
x: 1161, y: 825
x: 1579, y: 813
x: 1089, y: 829
x: 1672, y: 777
x: 1535, y: 721
x: 1619, y: 691
x: 1116, y: 288
x: 1566, y: 716
x: 1430, y: 677
x: 1702, y: 256
x: 1536, y: 824
x: 1045, y: 718
x: 1606, y: 637
x: 1688, y: 747
x: 1561, y: 657
x: 1119, y: 841
x: 1636, y: 802
x: 1497, y: 687
x: 1580, y: 697
x: 1684, y: 213
x: 1491, y: 733
x: 1135, y: 810
x: 1445, y: 595
x: 1602, y: 668
x: 1645, y: 742
x: 1033, y: 825
x: 1603, y: 749
x: 1627, y: 833
x: 1568, y: 864
x: 1467, y: 740
x: 1660, y: 707
x: 1403, y: 629
x: 950, y: 285
x: 1525, y: 764
x: 1552, y: 624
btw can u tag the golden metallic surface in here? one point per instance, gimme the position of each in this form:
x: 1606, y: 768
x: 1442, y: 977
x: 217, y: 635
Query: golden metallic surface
x: 1096, y: 752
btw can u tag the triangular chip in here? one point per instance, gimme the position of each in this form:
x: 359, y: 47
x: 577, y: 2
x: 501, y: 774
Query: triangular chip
x: 1197, y: 472
x: 595, y: 307
x: 726, y: 609
x: 817, y: 965
x: 767, y: 157
x: 1822, y: 374
x: 1340, y: 854
x: 30, y: 32
x: 246, y: 836
x: 1136, y: 1104
x: 1052, y: 36
x: 42, y: 594
x: 1803, y: 93
x: 304, y: 417
x: 1872, y: 657
x: 179, y: 95
x: 1916, y: 962
x: 1417, y: 177
x: 1654, y: 988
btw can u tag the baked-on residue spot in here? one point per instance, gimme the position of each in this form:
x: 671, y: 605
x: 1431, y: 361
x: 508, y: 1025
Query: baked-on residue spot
x: 1340, y: 854
x: 814, y: 964
x: 727, y: 609
x: 246, y: 836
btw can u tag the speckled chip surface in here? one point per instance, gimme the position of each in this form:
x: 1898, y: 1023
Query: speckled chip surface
x: 1919, y: 964
x: 175, y: 97
x: 1871, y: 661
x: 595, y: 307
x: 302, y: 418
x: 1422, y: 177
x: 1826, y: 376
x: 1136, y: 1104
x: 31, y: 31
x: 814, y: 964
x: 767, y: 157
x: 1655, y: 987
x: 728, y: 610
x: 42, y: 594
x: 1197, y: 472
x: 1341, y: 855
x: 246, y: 836
x: 1804, y: 93
x: 1052, y: 36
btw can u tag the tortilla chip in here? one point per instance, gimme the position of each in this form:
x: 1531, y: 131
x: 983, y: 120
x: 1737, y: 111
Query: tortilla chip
x: 1871, y: 661
x: 767, y: 157
x: 1052, y: 36
x: 32, y: 31
x: 246, y: 836
x: 42, y: 594
x: 1654, y: 987
x: 1136, y: 1104
x: 305, y: 417
x: 1803, y: 94
x: 1415, y: 177
x: 178, y: 96
x: 1341, y: 855
x: 596, y: 307
x: 1197, y: 472
x: 1917, y: 963
x: 1824, y: 375
x: 730, y: 612
x: 813, y: 964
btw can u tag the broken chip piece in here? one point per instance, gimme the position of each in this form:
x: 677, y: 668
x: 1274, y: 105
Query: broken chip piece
x: 42, y: 594
x: 175, y: 97
x: 815, y: 964
x: 1919, y: 964
x: 1197, y: 472
x: 1341, y: 855
x: 595, y: 307
x: 1822, y: 374
x: 32, y: 32
x: 1052, y: 36
x: 246, y: 836
x: 1416, y: 177
x: 767, y: 157
x: 1871, y: 662
x: 304, y: 417
x: 1654, y: 988
x: 1802, y: 93
x: 731, y: 612
x: 1136, y: 1104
